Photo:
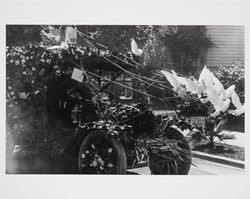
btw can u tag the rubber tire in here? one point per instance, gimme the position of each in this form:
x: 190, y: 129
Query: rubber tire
x: 184, y: 169
x: 118, y: 148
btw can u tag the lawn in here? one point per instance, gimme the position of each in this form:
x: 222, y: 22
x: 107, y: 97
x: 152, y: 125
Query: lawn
x: 221, y: 149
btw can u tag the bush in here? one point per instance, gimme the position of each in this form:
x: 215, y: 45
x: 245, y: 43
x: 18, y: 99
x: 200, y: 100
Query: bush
x: 189, y: 107
x: 233, y: 74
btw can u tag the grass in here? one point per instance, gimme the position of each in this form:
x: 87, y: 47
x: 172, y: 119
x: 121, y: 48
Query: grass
x: 221, y: 149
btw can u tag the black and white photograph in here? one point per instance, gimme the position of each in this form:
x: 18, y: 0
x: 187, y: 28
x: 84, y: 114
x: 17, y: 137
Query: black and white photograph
x: 124, y: 99
x: 144, y: 99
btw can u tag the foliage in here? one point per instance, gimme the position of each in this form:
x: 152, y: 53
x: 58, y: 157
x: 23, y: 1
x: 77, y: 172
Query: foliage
x: 115, y: 38
x: 121, y: 131
x: 233, y: 74
x: 190, y: 41
x: 204, y: 129
x: 208, y: 95
x: 211, y: 131
x: 189, y: 107
x: 29, y: 68
x: 167, y: 45
x: 156, y: 52
x: 139, y: 116
x: 22, y: 34
x: 94, y: 162
x: 162, y: 45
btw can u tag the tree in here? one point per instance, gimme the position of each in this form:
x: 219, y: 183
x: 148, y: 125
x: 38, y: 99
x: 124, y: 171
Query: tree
x: 22, y: 34
x: 163, y: 46
x: 186, y: 45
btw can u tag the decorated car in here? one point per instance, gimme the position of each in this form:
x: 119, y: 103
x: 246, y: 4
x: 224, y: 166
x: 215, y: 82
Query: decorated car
x: 57, y: 93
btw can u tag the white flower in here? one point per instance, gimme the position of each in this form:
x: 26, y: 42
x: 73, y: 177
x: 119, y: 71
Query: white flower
x: 10, y: 105
x: 36, y: 92
x: 92, y: 146
x: 9, y: 87
x: 110, y: 165
x: 48, y: 61
x: 101, y: 167
x: 12, y: 93
x: 110, y: 150
x: 83, y: 165
x: 11, y: 61
x: 94, y: 163
x: 87, y: 152
x: 17, y: 62
x: 97, y: 156
x: 33, y: 68
x: 83, y: 155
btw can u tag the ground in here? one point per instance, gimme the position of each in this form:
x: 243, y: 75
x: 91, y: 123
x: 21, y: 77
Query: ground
x: 202, y: 167
x: 42, y: 163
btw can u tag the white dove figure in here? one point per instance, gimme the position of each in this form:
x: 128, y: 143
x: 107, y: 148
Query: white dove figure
x: 205, y: 78
x: 190, y: 85
x: 174, y: 83
x: 219, y: 88
x: 218, y: 104
x: 135, y: 49
x: 201, y: 85
x: 209, y: 79
x: 240, y: 109
x: 202, y: 76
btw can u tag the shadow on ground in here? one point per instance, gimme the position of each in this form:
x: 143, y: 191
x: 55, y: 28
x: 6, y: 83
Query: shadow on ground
x: 35, y: 162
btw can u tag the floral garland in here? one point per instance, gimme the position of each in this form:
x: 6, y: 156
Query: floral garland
x: 111, y: 128
x: 29, y: 67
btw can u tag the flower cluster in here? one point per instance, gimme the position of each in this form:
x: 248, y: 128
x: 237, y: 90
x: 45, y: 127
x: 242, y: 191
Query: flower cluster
x: 125, y: 111
x: 98, y: 159
x: 233, y: 74
x: 139, y: 116
x: 121, y: 131
x: 30, y: 67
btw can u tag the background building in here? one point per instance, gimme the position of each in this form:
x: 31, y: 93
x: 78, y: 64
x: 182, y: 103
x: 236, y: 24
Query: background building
x: 229, y: 45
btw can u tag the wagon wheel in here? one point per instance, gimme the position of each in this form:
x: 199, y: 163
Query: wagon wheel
x: 101, y: 154
x: 160, y: 165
